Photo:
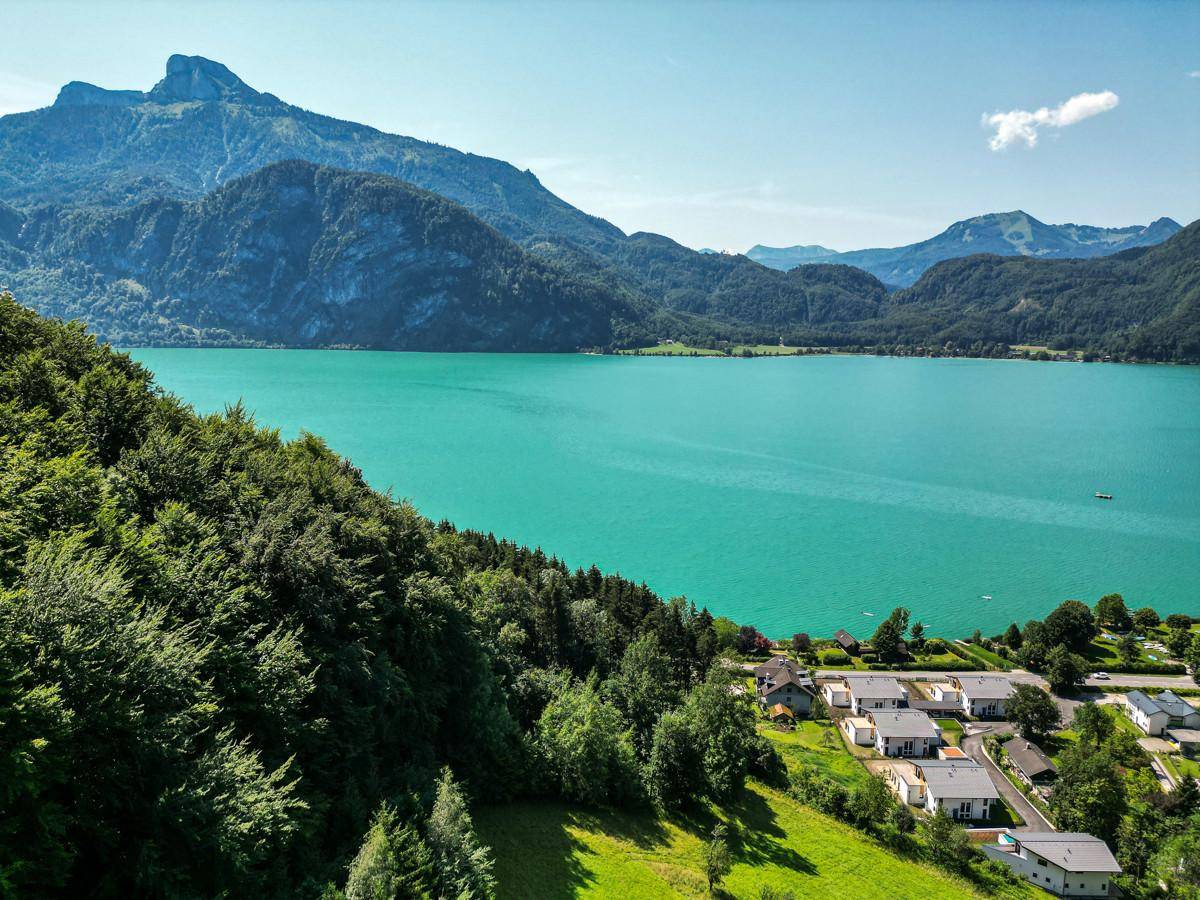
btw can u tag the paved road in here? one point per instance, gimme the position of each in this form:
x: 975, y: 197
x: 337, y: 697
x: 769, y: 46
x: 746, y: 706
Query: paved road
x: 1020, y: 676
x: 972, y: 745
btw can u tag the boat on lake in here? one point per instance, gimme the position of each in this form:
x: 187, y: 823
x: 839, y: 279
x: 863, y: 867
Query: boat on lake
x: 1100, y: 496
x: 985, y: 596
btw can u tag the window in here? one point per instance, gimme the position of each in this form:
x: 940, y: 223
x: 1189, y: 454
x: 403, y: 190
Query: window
x: 1041, y: 862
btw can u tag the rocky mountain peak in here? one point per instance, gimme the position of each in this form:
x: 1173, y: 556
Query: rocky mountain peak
x: 196, y: 78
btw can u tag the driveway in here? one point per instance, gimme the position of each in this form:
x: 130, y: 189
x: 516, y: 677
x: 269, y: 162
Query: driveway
x: 972, y: 745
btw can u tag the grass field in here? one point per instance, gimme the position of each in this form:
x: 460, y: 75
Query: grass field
x: 1102, y: 654
x: 986, y: 656
x: 546, y: 851
x: 952, y: 731
x: 737, y: 350
x: 806, y: 746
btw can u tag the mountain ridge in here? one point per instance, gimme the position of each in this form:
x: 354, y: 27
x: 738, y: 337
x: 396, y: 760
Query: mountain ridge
x: 1014, y: 233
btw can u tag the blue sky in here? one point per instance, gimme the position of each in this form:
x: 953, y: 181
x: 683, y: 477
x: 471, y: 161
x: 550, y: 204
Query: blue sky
x: 722, y: 125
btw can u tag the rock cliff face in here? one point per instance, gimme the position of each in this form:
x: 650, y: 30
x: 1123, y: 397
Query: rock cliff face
x: 302, y: 255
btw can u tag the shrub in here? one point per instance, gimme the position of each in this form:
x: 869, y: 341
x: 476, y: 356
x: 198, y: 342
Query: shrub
x: 935, y: 646
x: 869, y: 658
x: 834, y: 658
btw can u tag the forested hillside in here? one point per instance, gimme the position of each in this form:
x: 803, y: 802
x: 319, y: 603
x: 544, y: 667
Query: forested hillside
x: 299, y: 255
x: 1143, y: 302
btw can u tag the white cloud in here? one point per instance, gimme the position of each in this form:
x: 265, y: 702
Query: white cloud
x: 1195, y: 73
x: 1022, y: 125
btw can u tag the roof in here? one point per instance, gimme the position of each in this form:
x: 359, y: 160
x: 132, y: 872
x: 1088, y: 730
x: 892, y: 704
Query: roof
x: 1073, y: 851
x: 845, y: 638
x: 784, y: 676
x: 1167, y: 703
x: 952, y: 753
x: 1029, y: 758
x: 780, y: 710
x: 957, y: 778
x: 875, y: 687
x: 772, y: 664
x: 903, y: 723
x: 936, y: 705
x: 859, y: 721
x: 1175, y: 705
x: 985, y: 687
x: 1185, y: 735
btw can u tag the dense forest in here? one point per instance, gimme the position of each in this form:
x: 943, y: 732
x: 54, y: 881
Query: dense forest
x: 224, y: 659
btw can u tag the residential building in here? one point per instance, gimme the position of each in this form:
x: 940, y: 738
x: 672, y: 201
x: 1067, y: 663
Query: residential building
x: 983, y: 696
x: 787, y: 684
x: 1154, y: 715
x: 1031, y: 765
x: 903, y: 779
x: 868, y: 692
x: 961, y: 787
x: 945, y: 691
x: 904, y: 732
x: 946, y: 752
x: 1069, y: 864
x: 771, y: 667
x: 846, y: 641
x: 860, y: 730
x: 836, y: 693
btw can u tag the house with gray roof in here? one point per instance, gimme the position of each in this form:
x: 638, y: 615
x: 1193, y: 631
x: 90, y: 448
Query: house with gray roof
x: 904, y: 732
x: 786, y: 684
x: 983, y: 696
x: 1029, y: 762
x: 961, y: 787
x: 846, y: 641
x: 1069, y: 864
x: 868, y: 692
x: 1154, y: 715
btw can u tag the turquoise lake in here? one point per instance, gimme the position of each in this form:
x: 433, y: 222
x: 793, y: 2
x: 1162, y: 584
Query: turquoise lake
x: 793, y: 494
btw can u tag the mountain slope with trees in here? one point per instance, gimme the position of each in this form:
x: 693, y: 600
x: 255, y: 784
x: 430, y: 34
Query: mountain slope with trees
x: 1143, y: 302
x: 303, y: 255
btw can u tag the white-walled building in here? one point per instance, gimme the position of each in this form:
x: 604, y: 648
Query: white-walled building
x: 904, y: 732
x: 871, y: 692
x: 961, y: 787
x: 983, y: 696
x: 836, y: 693
x: 859, y: 730
x: 1154, y: 715
x: 1065, y: 863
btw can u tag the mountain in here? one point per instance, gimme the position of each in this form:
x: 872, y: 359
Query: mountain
x: 202, y: 126
x: 1143, y: 302
x: 304, y: 255
x: 1007, y: 234
x: 784, y: 258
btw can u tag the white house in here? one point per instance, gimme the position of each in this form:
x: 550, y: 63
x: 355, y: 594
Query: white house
x: 983, y: 696
x: 1154, y: 715
x: 859, y: 730
x: 835, y: 693
x: 1065, y: 863
x: 904, y: 732
x: 944, y: 692
x: 961, y: 787
x: 869, y: 692
x: 903, y: 779
x: 787, y: 684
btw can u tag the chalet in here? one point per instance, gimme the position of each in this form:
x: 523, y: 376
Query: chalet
x: 1032, y: 766
x: 789, y: 685
x: 869, y: 692
x: 983, y: 696
x: 1069, y: 864
x: 904, y: 732
x: 1154, y: 715
x: 846, y: 641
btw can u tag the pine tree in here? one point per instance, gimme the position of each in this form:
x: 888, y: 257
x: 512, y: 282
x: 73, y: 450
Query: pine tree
x: 463, y: 863
x: 393, y: 863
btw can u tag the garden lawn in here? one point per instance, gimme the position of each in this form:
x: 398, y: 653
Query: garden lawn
x: 952, y: 731
x: 804, y: 747
x: 547, y: 851
x: 986, y: 656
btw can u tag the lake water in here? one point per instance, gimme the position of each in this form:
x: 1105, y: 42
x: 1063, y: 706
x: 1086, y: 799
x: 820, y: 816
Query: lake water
x: 793, y: 494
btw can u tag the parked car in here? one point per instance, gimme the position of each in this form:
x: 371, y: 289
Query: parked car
x: 1100, y: 676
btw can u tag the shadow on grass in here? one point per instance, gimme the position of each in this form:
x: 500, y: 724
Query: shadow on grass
x: 535, y: 854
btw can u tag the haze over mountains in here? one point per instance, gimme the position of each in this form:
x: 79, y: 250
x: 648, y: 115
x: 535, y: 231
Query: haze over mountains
x: 164, y: 216
x: 1007, y: 234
